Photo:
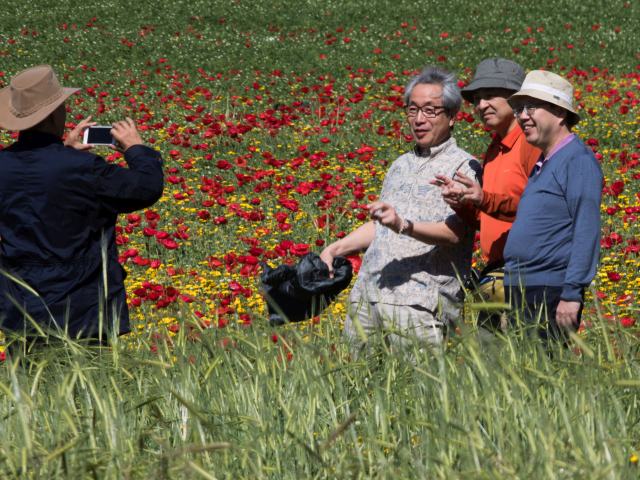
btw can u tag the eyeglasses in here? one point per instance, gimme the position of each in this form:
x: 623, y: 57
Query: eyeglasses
x: 428, y: 111
x: 528, y: 108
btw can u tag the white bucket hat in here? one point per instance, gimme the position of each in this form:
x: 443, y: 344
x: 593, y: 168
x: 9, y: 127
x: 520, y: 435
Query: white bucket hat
x: 548, y: 87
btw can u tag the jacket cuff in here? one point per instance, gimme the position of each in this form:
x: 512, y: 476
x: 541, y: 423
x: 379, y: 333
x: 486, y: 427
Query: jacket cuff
x: 572, y: 294
x: 135, y: 151
x: 485, y: 204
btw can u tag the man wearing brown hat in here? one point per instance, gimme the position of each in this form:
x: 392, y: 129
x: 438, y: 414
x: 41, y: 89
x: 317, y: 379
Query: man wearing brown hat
x: 58, y: 209
x: 552, y: 251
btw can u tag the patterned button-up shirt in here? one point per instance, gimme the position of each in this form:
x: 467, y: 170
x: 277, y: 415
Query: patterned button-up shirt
x: 399, y: 270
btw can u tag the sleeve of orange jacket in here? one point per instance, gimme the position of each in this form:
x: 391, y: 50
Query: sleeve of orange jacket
x: 503, y: 206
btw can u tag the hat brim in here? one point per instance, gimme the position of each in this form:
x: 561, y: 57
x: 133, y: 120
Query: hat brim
x: 546, y: 97
x: 9, y: 121
x: 488, y: 82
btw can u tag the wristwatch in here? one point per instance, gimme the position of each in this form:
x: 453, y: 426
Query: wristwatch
x: 406, y: 228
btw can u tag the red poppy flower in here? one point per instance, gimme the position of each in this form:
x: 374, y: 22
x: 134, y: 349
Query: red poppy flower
x: 627, y: 322
x: 614, y: 276
x: 299, y: 249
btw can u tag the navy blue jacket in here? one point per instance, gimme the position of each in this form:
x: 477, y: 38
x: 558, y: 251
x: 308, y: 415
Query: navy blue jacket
x: 555, y: 240
x: 58, y: 210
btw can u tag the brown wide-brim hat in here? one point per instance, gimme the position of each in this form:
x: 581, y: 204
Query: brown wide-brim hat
x: 548, y: 87
x: 32, y: 95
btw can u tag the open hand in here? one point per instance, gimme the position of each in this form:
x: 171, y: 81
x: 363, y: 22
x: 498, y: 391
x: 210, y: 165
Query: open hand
x: 74, y: 138
x: 462, y: 190
x: 125, y: 134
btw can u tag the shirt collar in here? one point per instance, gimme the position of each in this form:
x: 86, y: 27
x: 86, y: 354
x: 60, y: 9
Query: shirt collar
x: 563, y: 143
x: 33, y: 138
x: 435, y: 150
x: 542, y: 160
x: 509, y: 139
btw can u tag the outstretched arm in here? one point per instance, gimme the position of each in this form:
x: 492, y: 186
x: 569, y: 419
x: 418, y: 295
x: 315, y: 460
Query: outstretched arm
x: 448, y: 232
x: 133, y: 188
x: 358, y: 240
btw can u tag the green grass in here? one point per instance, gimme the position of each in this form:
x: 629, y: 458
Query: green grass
x: 255, y: 402
x: 508, y: 410
x: 248, y: 36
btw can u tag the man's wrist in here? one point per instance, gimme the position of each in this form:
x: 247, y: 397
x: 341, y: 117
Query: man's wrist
x: 571, y: 293
x: 406, y: 227
x: 574, y: 300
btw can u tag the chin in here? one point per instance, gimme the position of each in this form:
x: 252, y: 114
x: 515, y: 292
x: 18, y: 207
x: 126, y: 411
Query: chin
x: 532, y: 140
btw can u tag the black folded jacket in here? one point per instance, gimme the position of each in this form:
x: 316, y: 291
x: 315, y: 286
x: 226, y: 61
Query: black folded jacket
x: 299, y: 292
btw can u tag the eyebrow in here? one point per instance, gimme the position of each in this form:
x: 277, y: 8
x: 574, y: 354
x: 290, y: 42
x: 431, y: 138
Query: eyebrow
x: 428, y: 104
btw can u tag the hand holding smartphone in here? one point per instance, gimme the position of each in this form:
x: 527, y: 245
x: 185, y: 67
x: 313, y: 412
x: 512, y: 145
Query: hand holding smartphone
x: 98, y: 135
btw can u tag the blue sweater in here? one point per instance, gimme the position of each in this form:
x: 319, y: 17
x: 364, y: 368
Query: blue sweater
x: 555, y: 239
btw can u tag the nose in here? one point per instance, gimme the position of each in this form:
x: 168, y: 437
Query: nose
x: 482, y: 104
x: 420, y: 116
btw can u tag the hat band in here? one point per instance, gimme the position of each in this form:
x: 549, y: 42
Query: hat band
x: 550, y: 90
x: 36, y: 107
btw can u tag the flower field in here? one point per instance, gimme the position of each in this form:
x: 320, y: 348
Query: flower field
x: 277, y: 124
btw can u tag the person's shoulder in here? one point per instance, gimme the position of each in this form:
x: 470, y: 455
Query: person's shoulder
x: 579, y: 151
x: 61, y: 149
x: 9, y: 148
x: 465, y: 161
x: 471, y: 167
x: 455, y: 151
x: 402, y: 159
x: 81, y: 159
x: 91, y: 158
x: 574, y: 157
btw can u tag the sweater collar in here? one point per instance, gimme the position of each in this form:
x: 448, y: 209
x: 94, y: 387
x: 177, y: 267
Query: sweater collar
x: 436, y: 149
x: 35, y: 139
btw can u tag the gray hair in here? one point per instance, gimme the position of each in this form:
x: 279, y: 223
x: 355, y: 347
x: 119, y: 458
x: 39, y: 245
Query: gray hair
x: 452, y: 99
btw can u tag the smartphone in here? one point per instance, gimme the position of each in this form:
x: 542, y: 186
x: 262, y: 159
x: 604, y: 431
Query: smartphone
x: 98, y: 135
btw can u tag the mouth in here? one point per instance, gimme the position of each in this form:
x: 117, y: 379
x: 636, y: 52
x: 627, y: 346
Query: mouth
x: 421, y: 132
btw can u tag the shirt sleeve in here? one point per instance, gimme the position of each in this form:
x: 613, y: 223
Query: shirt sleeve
x: 584, y: 190
x: 127, y: 189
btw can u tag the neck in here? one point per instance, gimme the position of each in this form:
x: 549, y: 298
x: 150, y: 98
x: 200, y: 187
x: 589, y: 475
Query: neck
x: 503, y: 130
x: 48, y: 129
x: 425, y: 150
x: 561, y: 135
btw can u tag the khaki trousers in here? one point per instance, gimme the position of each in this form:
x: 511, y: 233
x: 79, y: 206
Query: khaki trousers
x: 402, y: 325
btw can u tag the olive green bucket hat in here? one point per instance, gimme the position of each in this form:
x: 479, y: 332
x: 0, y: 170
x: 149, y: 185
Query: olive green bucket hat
x: 494, y: 73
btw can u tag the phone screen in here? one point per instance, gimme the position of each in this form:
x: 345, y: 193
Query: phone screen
x: 99, y: 135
